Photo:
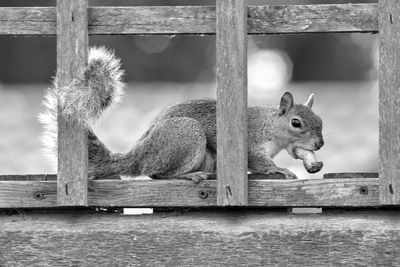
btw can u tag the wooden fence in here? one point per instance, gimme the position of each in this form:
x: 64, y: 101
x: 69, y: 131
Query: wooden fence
x: 72, y: 21
x: 231, y: 21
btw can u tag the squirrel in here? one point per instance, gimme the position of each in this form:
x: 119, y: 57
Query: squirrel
x: 181, y: 141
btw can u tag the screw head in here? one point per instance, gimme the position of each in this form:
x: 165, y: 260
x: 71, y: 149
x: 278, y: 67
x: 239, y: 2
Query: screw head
x: 203, y: 194
x: 363, y: 190
x: 39, y: 195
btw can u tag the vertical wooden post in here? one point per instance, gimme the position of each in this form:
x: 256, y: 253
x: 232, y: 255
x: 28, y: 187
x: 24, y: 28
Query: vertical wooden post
x: 232, y: 102
x: 389, y: 101
x: 72, y: 50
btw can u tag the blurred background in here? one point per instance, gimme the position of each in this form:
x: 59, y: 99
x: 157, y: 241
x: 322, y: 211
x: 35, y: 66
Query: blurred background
x: 340, y: 69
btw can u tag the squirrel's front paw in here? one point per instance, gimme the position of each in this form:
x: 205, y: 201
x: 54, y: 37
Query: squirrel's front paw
x: 285, y: 172
x: 196, y: 177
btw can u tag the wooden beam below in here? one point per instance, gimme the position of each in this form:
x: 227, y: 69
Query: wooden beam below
x: 148, y: 20
x: 343, y: 192
x: 217, y: 238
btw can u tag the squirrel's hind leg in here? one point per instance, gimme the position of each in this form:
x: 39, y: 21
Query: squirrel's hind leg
x: 176, y: 147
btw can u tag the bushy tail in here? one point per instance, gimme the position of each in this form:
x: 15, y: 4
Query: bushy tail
x: 85, y: 99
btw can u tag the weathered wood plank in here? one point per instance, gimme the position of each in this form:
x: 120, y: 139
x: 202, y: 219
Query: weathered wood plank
x: 231, y: 102
x: 20, y: 194
x: 218, y: 238
x: 29, y: 177
x: 28, y: 21
x: 197, y: 19
x: 72, y: 50
x: 351, y: 175
x: 152, y: 20
x: 389, y: 101
x: 313, y: 18
x: 351, y: 192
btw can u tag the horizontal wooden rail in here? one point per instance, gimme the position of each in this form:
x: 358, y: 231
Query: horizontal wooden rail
x: 147, y: 20
x: 351, y: 192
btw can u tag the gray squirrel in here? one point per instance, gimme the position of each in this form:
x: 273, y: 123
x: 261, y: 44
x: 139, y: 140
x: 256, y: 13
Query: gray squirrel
x: 181, y: 141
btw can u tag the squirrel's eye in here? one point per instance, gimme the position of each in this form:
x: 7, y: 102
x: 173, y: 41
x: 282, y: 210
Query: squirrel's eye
x: 296, y: 123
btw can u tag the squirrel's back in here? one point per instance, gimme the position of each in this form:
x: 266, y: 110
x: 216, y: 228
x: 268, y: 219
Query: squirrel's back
x: 202, y: 110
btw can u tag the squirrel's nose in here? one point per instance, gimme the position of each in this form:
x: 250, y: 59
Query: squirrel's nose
x: 319, y: 143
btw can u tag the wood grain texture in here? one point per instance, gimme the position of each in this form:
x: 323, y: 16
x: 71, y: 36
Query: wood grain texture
x: 152, y: 20
x: 389, y: 101
x: 231, y: 53
x: 313, y: 18
x: 350, y: 192
x: 28, y: 21
x: 29, y: 177
x: 351, y: 175
x: 218, y: 238
x: 197, y: 19
x: 72, y: 50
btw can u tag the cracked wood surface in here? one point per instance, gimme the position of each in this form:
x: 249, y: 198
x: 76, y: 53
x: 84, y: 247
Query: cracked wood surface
x: 350, y: 192
x: 72, y: 54
x: 389, y: 101
x: 202, y: 238
x: 196, y: 19
x: 231, y: 115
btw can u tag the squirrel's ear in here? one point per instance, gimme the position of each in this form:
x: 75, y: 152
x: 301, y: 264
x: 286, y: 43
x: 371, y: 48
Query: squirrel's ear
x: 310, y: 101
x: 286, y: 103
